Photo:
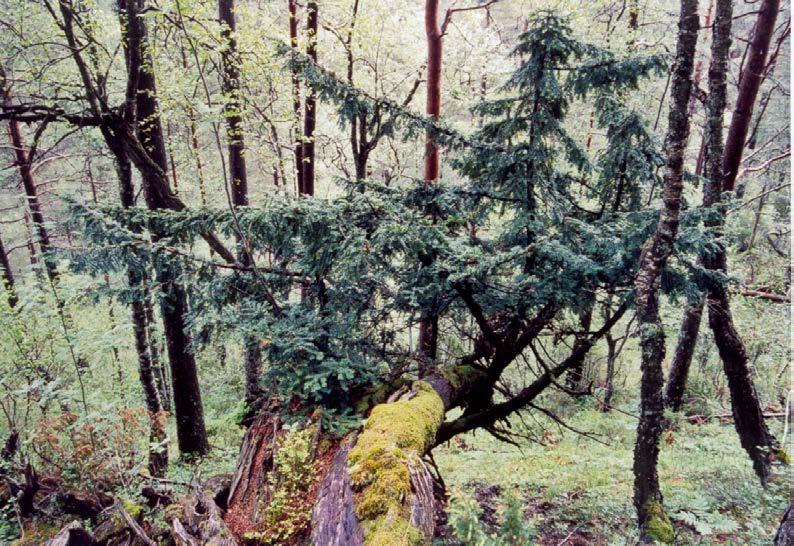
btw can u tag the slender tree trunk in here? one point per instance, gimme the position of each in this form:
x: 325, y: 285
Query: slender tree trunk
x: 194, y: 143
x: 188, y: 407
x: 7, y: 276
x: 746, y: 407
x: 609, y: 381
x: 682, y: 357
x: 750, y: 81
x: 428, y: 323
x: 238, y: 175
x: 31, y: 193
x: 34, y: 259
x: 161, y: 372
x: 158, y: 452
x: 653, y: 522
x: 296, y: 97
x: 731, y: 159
x: 310, y: 110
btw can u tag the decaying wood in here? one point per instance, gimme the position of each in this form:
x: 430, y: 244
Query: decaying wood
x: 423, y: 500
x: 198, y: 519
x: 250, y: 488
x: 133, y: 525
x: 334, y: 521
x: 785, y: 533
x: 72, y: 535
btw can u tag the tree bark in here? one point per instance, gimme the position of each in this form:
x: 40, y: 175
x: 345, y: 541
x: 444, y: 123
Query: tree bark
x: 428, y: 324
x: 682, y: 357
x: 748, y: 414
x: 32, y: 197
x: 785, y: 533
x: 7, y: 276
x: 653, y: 523
x: 191, y: 433
x: 161, y: 374
x: 749, y: 83
x: 238, y: 175
x: 576, y: 374
x: 310, y: 110
x: 296, y: 97
x: 158, y: 453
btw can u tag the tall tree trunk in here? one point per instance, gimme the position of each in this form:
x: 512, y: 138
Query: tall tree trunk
x: 653, y: 522
x: 428, y: 324
x: 748, y: 415
x: 32, y: 196
x: 7, y: 276
x: 158, y: 451
x: 310, y: 110
x: 746, y: 407
x: 296, y: 97
x: 750, y: 81
x: 238, y: 175
x: 191, y: 432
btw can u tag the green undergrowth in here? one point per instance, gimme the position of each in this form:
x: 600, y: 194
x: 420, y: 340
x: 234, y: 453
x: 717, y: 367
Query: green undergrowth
x: 575, y: 485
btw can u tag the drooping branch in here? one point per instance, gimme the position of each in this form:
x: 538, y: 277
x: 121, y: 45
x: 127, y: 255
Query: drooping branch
x: 489, y: 416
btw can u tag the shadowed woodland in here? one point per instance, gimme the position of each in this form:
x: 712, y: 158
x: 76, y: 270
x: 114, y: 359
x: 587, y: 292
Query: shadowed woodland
x: 367, y: 272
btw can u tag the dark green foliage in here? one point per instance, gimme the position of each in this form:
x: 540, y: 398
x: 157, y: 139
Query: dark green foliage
x: 531, y: 223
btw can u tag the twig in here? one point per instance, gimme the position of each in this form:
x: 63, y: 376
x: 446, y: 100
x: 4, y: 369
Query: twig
x: 757, y: 197
x: 133, y: 525
x: 569, y: 535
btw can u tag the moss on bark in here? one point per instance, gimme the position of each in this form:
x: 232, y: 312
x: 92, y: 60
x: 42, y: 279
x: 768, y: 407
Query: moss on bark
x: 394, y: 434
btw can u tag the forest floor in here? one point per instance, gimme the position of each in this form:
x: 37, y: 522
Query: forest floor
x: 576, y: 490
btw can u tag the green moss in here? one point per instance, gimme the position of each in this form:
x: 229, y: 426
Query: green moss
x: 386, y: 531
x: 393, y: 435
x: 378, y: 395
x: 658, y: 526
x: 133, y: 508
x: 461, y: 375
x: 782, y: 455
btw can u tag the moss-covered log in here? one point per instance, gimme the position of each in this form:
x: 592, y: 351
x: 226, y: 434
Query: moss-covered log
x: 372, y: 487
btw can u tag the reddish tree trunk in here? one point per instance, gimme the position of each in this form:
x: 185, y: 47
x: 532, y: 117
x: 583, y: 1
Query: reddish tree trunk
x: 428, y: 324
x: 751, y: 78
x: 433, y: 106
